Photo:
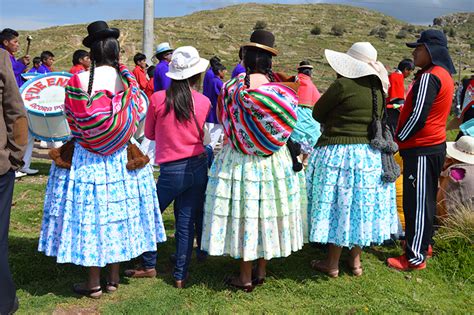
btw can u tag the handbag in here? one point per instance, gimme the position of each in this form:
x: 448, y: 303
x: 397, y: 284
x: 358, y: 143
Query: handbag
x: 382, y: 140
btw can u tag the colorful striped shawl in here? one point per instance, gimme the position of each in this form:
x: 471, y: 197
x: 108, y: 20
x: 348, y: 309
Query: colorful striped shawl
x: 109, y: 121
x: 259, y: 121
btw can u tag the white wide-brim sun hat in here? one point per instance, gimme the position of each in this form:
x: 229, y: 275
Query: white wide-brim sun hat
x: 359, y: 61
x: 462, y: 150
x: 185, y: 63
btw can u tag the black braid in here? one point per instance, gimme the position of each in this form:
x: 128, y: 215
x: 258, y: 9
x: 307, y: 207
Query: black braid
x: 91, y: 78
x: 375, y: 110
x: 270, y: 75
x: 384, y: 110
x: 375, y: 106
x: 247, y: 77
x: 116, y: 65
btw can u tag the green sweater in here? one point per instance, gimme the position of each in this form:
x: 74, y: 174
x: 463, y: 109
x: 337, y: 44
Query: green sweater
x: 345, y: 110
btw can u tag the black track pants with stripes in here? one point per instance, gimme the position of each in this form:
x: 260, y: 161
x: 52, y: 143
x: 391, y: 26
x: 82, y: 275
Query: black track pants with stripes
x: 420, y: 185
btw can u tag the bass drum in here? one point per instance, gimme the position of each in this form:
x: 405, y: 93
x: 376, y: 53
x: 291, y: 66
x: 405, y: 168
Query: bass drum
x: 43, y: 97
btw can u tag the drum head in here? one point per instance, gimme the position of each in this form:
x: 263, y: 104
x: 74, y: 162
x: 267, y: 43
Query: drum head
x: 43, y: 97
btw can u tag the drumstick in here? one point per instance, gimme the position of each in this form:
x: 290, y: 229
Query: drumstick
x: 28, y: 39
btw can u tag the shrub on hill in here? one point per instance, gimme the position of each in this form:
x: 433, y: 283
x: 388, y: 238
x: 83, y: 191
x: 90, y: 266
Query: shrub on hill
x: 221, y: 25
x: 316, y: 30
x: 338, y: 30
x: 380, y: 32
x: 260, y: 25
x: 384, y: 22
x: 402, y: 34
x: 409, y: 28
x: 451, y: 32
x: 438, y: 21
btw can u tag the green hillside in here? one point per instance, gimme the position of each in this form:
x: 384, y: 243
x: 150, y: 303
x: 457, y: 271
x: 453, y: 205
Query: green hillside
x: 222, y: 31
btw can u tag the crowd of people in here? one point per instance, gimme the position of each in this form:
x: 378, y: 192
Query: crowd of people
x: 291, y: 166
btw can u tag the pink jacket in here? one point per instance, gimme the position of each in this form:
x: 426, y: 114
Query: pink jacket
x: 175, y: 140
x: 308, y: 94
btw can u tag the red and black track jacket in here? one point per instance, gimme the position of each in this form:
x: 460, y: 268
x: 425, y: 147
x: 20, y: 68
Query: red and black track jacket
x: 422, y: 122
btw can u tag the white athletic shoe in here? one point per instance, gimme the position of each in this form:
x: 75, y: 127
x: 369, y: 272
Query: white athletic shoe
x: 19, y: 174
x: 28, y: 171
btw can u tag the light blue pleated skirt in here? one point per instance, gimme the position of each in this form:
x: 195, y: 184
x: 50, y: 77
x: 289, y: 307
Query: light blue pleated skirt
x: 348, y: 204
x: 98, y: 212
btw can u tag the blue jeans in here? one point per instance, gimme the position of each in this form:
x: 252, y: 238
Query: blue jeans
x: 184, y: 182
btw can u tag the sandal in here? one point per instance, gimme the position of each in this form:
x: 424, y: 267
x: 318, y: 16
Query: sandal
x: 319, y: 265
x: 111, y: 287
x: 255, y: 279
x: 232, y: 282
x: 357, y: 271
x: 94, y: 293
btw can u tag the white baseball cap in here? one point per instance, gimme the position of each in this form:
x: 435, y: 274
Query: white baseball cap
x: 185, y: 63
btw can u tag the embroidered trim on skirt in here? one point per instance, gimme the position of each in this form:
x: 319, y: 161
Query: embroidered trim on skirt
x: 307, y: 130
x: 348, y: 204
x: 254, y: 207
x: 98, y: 212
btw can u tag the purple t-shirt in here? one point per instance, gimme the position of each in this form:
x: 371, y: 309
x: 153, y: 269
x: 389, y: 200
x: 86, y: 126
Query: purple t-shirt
x: 18, y: 68
x: 212, y: 90
x: 33, y: 70
x: 162, y: 82
x: 43, y: 69
x: 207, y: 82
x: 238, y: 70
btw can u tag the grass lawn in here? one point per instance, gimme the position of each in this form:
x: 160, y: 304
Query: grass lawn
x: 292, y: 286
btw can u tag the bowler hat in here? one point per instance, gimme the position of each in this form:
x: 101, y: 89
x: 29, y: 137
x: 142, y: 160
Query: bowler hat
x: 264, y: 40
x: 99, y: 30
x: 437, y: 45
x: 304, y: 65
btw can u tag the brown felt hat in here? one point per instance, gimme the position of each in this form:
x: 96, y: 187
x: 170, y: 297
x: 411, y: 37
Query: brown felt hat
x: 264, y: 40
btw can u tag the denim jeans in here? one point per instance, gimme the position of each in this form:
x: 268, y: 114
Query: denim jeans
x: 184, y: 182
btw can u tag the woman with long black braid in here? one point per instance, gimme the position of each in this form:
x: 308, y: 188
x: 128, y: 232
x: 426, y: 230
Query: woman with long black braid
x: 101, y: 206
x: 350, y: 201
x: 253, y: 203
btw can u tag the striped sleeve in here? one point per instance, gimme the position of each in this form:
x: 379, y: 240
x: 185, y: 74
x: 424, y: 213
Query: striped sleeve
x: 425, y: 91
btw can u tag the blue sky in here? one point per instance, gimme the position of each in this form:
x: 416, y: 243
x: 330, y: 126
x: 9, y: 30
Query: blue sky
x: 34, y: 14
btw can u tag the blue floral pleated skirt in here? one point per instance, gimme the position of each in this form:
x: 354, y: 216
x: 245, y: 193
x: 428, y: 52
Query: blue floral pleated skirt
x: 307, y: 130
x: 348, y: 204
x: 98, y: 212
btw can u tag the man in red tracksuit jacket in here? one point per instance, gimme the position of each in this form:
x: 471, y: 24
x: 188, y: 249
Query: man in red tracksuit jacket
x: 421, y: 137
